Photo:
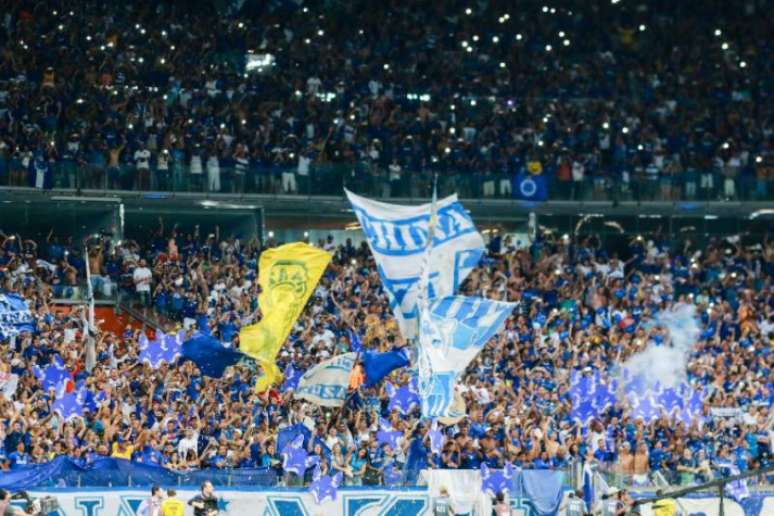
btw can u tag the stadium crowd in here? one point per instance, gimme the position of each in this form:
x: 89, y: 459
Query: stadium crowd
x: 606, y: 99
x: 516, y: 390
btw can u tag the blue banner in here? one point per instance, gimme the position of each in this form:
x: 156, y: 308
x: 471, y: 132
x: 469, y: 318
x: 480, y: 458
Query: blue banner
x: 109, y: 472
x: 530, y: 188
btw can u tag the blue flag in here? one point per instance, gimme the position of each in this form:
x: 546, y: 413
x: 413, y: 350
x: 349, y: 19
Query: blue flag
x: 495, y: 481
x: 163, y: 349
x: 324, y: 486
x: 295, y: 458
x: 403, y: 399
x: 292, y: 377
x: 73, y: 405
x: 355, y: 342
x: 530, y: 188
x: 53, y: 376
x: 15, y: 316
x: 209, y: 355
x: 289, y: 433
x: 379, y: 365
x: 387, y: 435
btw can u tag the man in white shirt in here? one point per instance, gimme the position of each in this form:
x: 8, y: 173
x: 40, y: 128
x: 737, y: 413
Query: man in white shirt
x: 142, y: 164
x: 142, y: 278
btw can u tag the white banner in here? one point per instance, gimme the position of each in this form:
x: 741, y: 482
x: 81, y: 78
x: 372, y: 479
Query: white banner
x: 350, y: 502
x: 326, y: 383
x: 397, y: 236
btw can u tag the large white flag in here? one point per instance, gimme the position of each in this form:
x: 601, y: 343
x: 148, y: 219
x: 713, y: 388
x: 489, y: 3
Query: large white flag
x: 326, y: 383
x: 397, y: 236
x: 453, y: 331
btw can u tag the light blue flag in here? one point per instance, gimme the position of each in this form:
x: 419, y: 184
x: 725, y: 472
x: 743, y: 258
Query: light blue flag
x: 454, y: 330
x: 398, y: 238
x: 15, y: 316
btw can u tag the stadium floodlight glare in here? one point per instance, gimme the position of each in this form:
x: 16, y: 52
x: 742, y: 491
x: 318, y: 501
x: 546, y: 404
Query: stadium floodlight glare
x: 605, y: 125
x: 724, y: 46
x: 475, y: 37
x: 468, y: 11
x: 561, y: 33
x: 759, y: 159
x: 502, y: 64
x: 495, y: 39
x: 464, y: 44
x: 642, y: 28
x: 518, y: 37
x: 742, y: 64
x: 386, y: 66
x: 321, y: 32
x: 473, y: 102
x: 545, y: 8
x: 718, y: 33
x: 549, y: 48
x: 566, y: 42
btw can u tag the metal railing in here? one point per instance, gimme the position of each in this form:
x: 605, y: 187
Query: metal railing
x: 377, y: 181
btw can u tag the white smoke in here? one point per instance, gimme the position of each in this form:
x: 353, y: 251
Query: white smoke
x: 667, y: 362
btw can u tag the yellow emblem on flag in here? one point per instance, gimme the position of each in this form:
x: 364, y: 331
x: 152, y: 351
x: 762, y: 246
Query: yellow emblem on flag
x: 288, y: 275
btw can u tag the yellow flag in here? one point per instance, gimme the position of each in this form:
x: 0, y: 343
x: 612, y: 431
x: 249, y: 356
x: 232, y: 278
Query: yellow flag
x: 288, y: 275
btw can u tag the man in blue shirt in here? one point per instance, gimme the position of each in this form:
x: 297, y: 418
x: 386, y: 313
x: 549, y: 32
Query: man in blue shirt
x: 19, y: 457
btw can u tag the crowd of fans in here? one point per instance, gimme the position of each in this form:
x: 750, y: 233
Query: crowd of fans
x: 627, y: 99
x: 516, y: 392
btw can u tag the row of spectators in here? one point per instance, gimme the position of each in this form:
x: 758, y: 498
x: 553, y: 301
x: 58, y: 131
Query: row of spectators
x: 517, y: 391
x: 640, y: 99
